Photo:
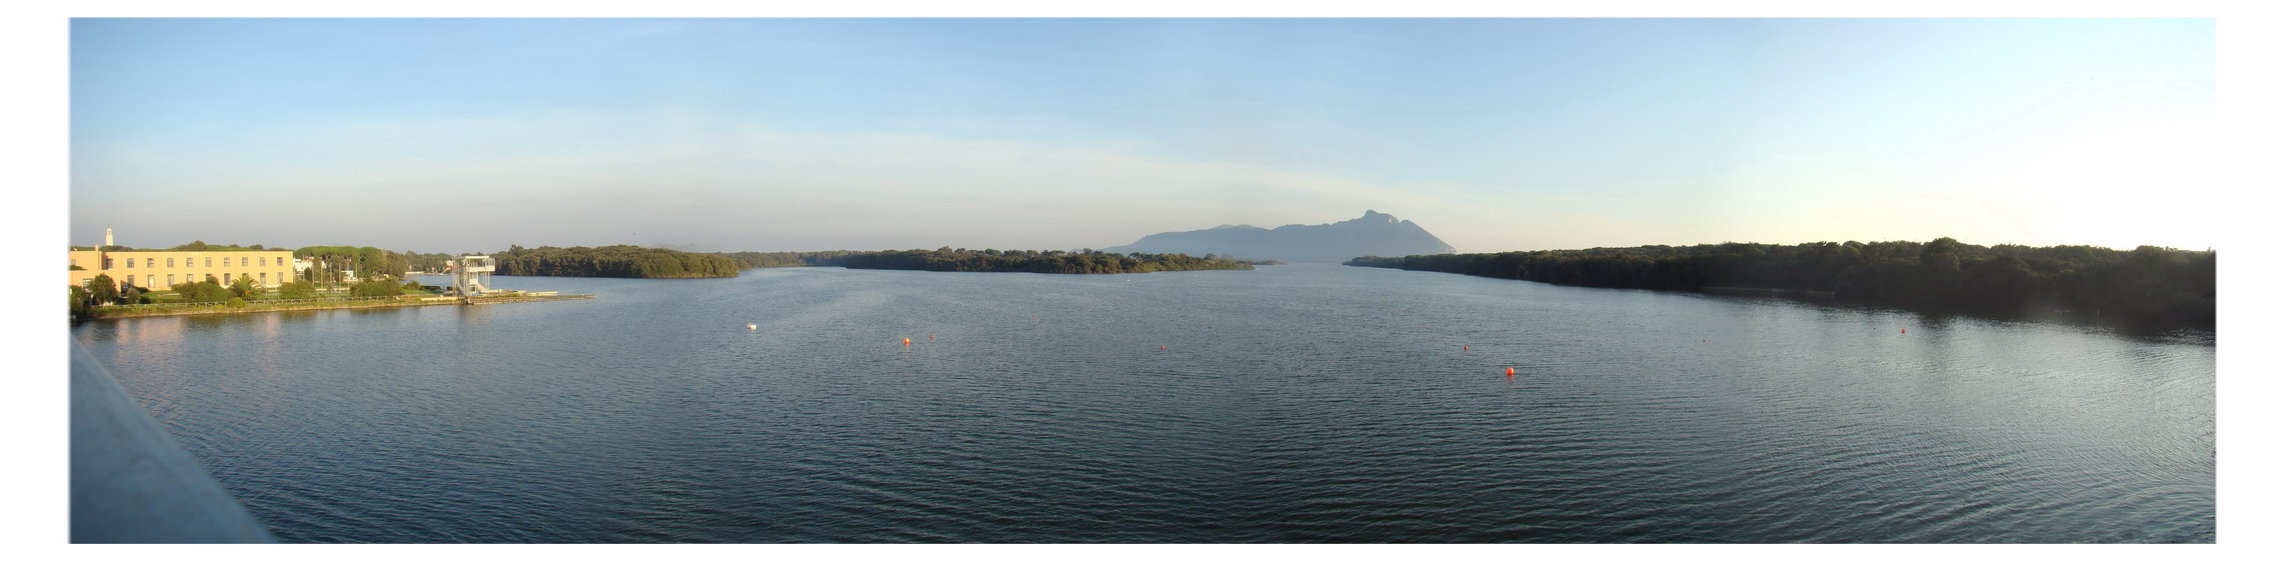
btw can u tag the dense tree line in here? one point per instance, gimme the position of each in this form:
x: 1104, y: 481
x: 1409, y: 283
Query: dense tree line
x: 750, y: 260
x: 194, y: 246
x: 613, y: 261
x: 200, y: 246
x: 2150, y: 287
x: 1049, y: 261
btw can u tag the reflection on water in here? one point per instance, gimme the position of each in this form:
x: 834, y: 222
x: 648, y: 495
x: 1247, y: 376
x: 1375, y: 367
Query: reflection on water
x: 1295, y: 403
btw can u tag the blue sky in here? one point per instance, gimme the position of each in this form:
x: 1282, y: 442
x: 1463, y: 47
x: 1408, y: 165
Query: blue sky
x: 1495, y: 134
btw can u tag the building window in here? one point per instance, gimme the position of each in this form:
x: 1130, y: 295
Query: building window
x: 150, y: 280
x: 242, y: 261
x: 107, y: 262
x: 266, y: 279
x: 170, y: 262
x: 210, y: 261
x: 131, y: 263
x: 262, y: 261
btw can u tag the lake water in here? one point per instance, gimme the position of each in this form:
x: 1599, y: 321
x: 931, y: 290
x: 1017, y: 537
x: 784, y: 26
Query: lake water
x: 1293, y: 403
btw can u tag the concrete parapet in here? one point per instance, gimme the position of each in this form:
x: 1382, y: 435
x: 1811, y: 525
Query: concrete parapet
x: 131, y: 482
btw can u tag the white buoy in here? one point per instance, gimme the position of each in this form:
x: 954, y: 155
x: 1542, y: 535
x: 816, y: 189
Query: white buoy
x: 751, y: 326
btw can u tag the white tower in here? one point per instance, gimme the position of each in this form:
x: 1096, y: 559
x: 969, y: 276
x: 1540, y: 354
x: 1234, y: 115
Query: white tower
x: 107, y: 237
x: 471, y: 274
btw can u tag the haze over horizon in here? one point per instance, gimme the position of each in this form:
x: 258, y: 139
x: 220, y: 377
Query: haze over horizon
x: 1493, y: 134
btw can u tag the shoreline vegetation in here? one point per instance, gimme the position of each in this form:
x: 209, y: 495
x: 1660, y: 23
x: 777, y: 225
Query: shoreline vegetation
x: 2150, y: 288
x: 661, y: 263
x: 613, y: 261
x: 367, y: 277
x: 244, y: 295
x: 1020, y: 261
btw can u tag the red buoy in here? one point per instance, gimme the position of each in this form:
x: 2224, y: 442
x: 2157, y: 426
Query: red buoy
x: 933, y: 337
x: 1903, y: 330
x: 1509, y: 371
x: 1164, y: 348
x: 907, y: 341
x: 1466, y: 348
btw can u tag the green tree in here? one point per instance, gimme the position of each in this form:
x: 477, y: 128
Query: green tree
x: 376, y: 288
x: 203, y: 291
x: 298, y: 290
x: 1940, y: 255
x: 80, y: 298
x: 244, y: 287
x: 103, y: 290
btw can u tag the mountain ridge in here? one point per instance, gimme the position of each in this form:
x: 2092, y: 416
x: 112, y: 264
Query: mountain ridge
x: 1372, y: 234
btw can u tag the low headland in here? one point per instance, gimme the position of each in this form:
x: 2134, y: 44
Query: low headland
x: 2150, y: 288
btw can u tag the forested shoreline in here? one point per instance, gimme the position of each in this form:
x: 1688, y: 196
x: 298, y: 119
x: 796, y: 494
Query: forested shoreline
x: 831, y: 258
x: 634, y: 261
x: 1033, y: 261
x: 613, y: 261
x: 2146, y: 288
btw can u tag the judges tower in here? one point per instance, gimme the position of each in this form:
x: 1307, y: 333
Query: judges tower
x: 471, y: 274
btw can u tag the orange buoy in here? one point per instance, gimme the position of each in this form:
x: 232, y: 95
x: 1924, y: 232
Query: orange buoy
x: 1466, y: 348
x: 907, y: 341
x: 933, y: 337
x: 1164, y: 348
x: 1509, y: 371
x: 1903, y: 330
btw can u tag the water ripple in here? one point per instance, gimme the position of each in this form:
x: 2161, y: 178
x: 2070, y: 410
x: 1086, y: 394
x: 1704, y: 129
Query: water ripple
x: 1297, y: 403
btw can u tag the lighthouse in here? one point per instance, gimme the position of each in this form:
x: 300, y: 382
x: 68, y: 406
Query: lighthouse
x: 107, y: 237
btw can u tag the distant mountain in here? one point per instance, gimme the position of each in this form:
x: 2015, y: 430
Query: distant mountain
x: 1372, y: 234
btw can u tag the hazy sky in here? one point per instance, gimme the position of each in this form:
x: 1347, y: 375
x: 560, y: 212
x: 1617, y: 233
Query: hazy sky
x: 1494, y: 134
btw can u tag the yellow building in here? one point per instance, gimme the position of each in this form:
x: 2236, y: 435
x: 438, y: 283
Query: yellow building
x: 159, y: 269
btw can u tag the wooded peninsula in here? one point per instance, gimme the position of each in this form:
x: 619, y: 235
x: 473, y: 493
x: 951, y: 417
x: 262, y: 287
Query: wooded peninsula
x: 613, y: 261
x: 2148, y: 288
